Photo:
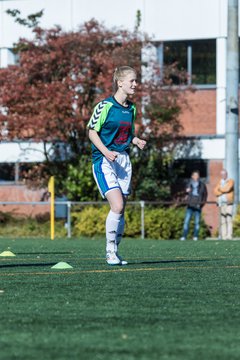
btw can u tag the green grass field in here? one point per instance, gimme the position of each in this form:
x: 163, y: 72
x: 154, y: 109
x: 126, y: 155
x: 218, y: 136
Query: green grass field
x: 175, y: 300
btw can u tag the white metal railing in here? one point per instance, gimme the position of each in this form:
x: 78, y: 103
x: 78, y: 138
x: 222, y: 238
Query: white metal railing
x: 69, y: 205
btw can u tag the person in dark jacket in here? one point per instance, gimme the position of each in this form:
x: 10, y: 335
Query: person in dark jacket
x: 196, y: 198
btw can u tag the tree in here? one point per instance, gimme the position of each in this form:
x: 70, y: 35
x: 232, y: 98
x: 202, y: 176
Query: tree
x: 50, y: 94
x: 153, y: 168
x: 31, y: 21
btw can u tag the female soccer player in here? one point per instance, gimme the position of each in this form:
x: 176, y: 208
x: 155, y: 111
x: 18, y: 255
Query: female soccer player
x: 111, y: 131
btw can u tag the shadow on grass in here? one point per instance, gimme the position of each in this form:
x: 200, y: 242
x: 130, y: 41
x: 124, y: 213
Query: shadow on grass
x: 171, y: 261
x: 27, y: 265
x: 45, y: 253
x: 129, y: 264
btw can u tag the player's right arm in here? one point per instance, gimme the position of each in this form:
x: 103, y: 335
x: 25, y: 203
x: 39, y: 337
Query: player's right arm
x: 95, y: 139
x: 94, y: 126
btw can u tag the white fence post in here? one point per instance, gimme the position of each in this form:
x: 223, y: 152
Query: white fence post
x: 142, y: 204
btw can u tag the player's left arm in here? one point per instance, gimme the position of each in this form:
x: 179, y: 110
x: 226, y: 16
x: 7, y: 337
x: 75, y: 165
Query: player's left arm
x: 136, y: 140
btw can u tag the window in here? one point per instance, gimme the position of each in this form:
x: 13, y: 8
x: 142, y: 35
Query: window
x: 185, y: 167
x: 197, y: 58
x: 182, y: 170
x: 176, y: 52
x: 7, y: 172
x: 14, y: 173
x: 204, y: 62
x: 23, y: 169
x: 7, y: 57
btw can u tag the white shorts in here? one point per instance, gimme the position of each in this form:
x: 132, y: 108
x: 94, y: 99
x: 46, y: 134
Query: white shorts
x: 113, y: 175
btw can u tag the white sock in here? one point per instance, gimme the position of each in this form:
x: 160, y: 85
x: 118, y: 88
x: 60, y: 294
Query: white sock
x: 112, y: 224
x: 120, y: 229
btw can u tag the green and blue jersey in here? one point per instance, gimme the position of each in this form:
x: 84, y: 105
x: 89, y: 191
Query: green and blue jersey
x: 114, y: 124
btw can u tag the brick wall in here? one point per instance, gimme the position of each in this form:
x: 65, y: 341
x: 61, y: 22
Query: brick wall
x: 199, y: 117
x: 20, y: 193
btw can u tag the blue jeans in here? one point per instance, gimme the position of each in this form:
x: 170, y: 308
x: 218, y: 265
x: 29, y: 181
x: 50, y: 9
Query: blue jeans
x: 188, y: 216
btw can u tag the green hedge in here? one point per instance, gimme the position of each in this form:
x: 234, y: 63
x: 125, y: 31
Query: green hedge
x: 160, y: 223
x: 12, y: 226
x: 236, y: 224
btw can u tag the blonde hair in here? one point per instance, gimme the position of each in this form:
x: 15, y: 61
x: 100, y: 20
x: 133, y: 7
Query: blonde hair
x: 119, y: 73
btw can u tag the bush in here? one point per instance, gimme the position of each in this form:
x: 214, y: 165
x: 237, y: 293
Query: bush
x: 90, y: 221
x: 236, y: 224
x: 163, y: 223
x: 29, y: 227
x: 160, y: 223
x: 167, y: 223
x: 5, y: 217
